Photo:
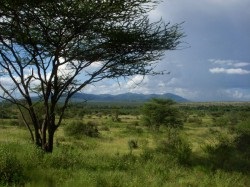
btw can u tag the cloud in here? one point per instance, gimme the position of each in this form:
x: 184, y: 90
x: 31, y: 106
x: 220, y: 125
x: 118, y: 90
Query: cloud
x: 229, y: 67
x: 217, y: 30
x: 241, y: 64
x: 135, y: 81
x: 214, y: 30
x: 233, y: 63
x: 238, y: 71
x: 237, y: 94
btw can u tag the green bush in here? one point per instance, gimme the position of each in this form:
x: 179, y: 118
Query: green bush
x: 13, y: 122
x: 78, y: 129
x: 135, y: 123
x: 184, y: 152
x: 133, y: 144
x: 242, y: 141
x: 133, y: 129
x: 158, y: 112
x: 147, y: 154
x: 11, y: 170
x: 104, y: 128
x: 195, y: 119
x: 65, y: 158
x: 123, y: 162
x: 230, y: 153
x: 219, y: 155
x: 177, y: 147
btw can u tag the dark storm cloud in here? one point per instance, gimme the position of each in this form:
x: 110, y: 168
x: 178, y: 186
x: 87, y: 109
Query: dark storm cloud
x: 213, y: 63
x: 216, y: 31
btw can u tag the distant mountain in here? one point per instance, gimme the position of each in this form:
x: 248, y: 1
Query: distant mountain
x: 126, y: 97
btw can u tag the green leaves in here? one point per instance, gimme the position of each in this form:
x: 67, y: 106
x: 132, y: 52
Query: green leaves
x: 159, y: 112
x: 55, y: 46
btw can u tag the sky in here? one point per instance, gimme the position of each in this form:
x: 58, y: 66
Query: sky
x: 212, y: 63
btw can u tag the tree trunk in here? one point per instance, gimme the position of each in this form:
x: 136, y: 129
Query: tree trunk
x: 38, y: 138
x: 49, y: 145
x: 51, y: 128
x: 44, y: 135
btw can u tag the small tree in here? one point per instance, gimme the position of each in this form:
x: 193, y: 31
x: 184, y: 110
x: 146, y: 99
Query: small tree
x: 55, y: 48
x: 159, y: 112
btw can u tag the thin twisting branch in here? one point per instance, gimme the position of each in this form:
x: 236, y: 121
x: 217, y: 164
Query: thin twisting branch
x: 54, y: 49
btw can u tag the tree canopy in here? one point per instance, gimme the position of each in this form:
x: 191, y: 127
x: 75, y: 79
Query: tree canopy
x: 159, y: 112
x: 53, y: 49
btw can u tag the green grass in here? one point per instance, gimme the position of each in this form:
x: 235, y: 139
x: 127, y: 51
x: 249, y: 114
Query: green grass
x: 108, y: 160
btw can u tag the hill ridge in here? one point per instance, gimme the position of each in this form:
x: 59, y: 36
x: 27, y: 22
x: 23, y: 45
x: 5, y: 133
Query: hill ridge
x: 124, y: 97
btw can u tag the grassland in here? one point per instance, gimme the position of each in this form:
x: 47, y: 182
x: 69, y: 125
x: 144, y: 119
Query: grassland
x: 108, y: 160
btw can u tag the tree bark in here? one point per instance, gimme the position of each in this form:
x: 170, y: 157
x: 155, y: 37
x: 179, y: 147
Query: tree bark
x: 44, y: 135
x: 50, y: 143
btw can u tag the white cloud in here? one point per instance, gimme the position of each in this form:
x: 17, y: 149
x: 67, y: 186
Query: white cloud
x: 237, y: 94
x: 233, y: 63
x: 135, y: 81
x: 229, y: 66
x: 238, y: 71
x: 221, y: 62
x: 241, y: 64
x: 65, y: 69
x: 96, y: 64
x: 5, y: 80
x: 187, y: 93
x: 173, y: 81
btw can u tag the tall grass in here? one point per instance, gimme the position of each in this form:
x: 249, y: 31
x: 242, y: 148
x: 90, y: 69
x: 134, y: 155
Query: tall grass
x: 156, y: 159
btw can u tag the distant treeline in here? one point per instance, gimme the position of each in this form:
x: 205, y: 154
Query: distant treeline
x: 9, y: 111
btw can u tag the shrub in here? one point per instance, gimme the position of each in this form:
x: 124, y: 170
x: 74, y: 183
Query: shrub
x: 13, y: 122
x: 11, y: 170
x: 135, y: 123
x: 242, y: 141
x: 219, y: 155
x: 65, y: 158
x: 133, y: 129
x: 77, y: 129
x: 221, y: 121
x: 195, y: 119
x: 104, y: 128
x: 159, y: 112
x: 229, y: 153
x: 133, y: 144
x: 177, y: 147
x: 123, y: 162
x: 184, y: 152
x: 147, y: 154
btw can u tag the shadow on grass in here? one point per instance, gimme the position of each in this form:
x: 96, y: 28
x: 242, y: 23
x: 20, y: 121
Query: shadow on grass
x: 222, y: 157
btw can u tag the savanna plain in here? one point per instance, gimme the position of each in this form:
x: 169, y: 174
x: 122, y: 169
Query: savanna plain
x: 109, y: 144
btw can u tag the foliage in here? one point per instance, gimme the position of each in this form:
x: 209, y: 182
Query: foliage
x: 171, y: 157
x: 115, y: 115
x: 65, y: 158
x: 78, y: 129
x: 230, y: 152
x: 50, y: 50
x: 242, y: 141
x: 195, y: 119
x: 159, y: 112
x: 11, y: 170
x: 176, y: 146
x: 132, y: 144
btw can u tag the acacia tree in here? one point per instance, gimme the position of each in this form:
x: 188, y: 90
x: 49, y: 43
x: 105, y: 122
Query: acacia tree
x: 55, y: 48
x: 159, y: 112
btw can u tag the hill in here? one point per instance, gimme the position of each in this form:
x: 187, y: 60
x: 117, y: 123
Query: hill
x: 126, y: 97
